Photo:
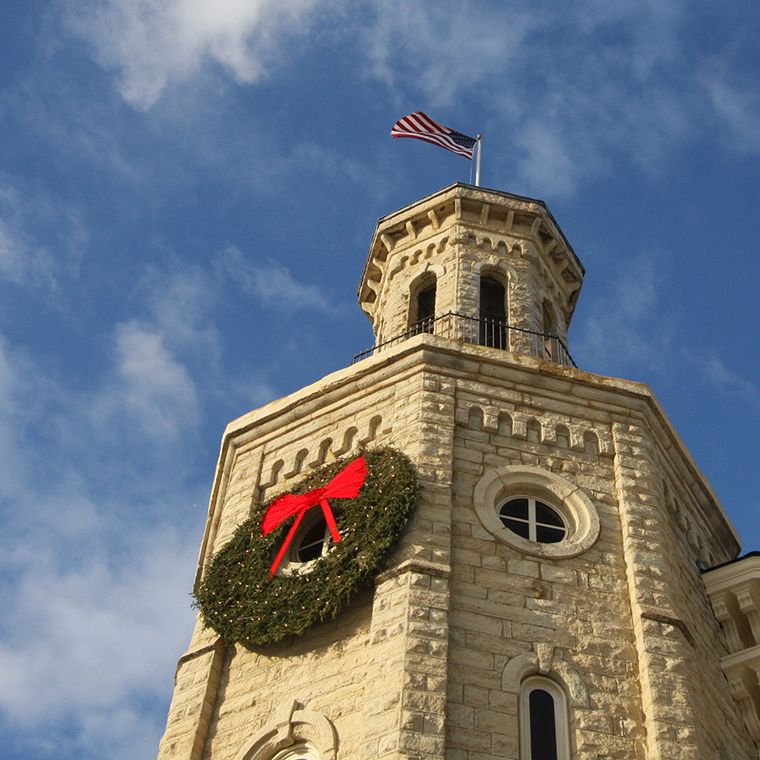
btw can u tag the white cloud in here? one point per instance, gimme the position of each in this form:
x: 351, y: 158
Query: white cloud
x: 737, y: 105
x: 445, y: 51
x: 153, y: 387
x: 272, y: 283
x: 25, y: 218
x: 180, y: 303
x: 728, y: 382
x: 21, y: 259
x: 95, y: 599
x: 153, y: 45
x: 102, y: 515
x: 102, y: 525
x: 628, y: 329
x: 562, y: 93
x: 88, y: 637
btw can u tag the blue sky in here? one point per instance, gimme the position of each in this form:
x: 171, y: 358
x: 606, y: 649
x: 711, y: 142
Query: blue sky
x: 187, y: 193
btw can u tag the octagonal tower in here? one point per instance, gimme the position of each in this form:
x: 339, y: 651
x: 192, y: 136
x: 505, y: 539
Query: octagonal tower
x: 477, y: 265
x: 545, y: 598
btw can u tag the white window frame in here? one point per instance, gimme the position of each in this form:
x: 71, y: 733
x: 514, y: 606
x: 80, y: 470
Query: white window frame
x: 532, y: 522
x: 291, y: 564
x: 498, y: 485
x: 301, y: 751
x: 561, y: 721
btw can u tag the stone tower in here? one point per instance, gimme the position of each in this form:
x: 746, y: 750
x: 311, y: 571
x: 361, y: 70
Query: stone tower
x: 545, y: 600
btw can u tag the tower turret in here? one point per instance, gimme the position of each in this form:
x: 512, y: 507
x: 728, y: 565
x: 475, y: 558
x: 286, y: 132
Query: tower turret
x: 479, y: 265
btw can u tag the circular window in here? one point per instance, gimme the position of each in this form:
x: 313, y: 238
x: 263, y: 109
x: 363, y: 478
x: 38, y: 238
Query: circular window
x: 536, y: 512
x: 312, y: 541
x: 533, y: 519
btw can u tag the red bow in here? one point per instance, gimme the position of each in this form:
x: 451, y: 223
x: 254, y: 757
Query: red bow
x: 345, y: 485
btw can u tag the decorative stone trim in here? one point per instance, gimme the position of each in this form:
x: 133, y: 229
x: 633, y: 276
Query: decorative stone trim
x: 414, y: 566
x: 576, y: 508
x: 319, y: 453
x: 546, y: 661
x: 293, y: 726
x: 218, y: 644
x: 549, y: 426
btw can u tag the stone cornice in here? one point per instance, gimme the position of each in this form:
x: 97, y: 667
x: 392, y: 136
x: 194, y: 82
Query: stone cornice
x: 732, y: 574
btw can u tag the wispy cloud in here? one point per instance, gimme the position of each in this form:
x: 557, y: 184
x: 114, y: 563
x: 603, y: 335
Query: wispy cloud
x: 737, y: 106
x: 563, y: 94
x: 629, y: 329
x: 567, y: 89
x: 95, y: 594
x: 95, y: 600
x: 24, y: 218
x: 444, y: 52
x: 152, y: 386
x: 272, y: 283
x: 728, y: 382
x: 96, y: 568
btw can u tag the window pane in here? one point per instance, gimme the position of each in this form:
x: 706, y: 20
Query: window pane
x: 517, y: 526
x: 545, y: 514
x: 543, y: 734
x: 546, y: 535
x: 493, y: 300
x: 310, y: 546
x: 515, y: 508
x: 426, y: 304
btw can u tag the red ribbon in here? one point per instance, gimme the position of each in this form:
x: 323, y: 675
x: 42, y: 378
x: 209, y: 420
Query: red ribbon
x: 345, y: 485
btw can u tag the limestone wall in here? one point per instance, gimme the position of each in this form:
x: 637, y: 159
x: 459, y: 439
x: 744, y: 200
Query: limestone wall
x: 428, y: 664
x: 378, y: 672
x: 508, y: 606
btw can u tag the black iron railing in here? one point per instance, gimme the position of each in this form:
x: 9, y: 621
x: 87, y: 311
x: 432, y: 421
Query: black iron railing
x: 484, y: 332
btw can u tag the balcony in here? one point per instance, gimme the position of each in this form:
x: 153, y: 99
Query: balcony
x: 483, y: 332
x: 734, y: 592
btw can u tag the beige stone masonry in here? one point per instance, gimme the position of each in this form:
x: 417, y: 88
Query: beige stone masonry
x: 195, y: 686
x: 427, y: 665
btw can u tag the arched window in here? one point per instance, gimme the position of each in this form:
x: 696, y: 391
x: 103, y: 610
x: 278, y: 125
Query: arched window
x: 550, y: 332
x: 493, y: 314
x: 297, y: 735
x: 544, y: 733
x: 423, y: 306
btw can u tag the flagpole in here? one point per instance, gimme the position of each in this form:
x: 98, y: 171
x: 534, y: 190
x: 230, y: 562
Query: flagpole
x: 479, y: 138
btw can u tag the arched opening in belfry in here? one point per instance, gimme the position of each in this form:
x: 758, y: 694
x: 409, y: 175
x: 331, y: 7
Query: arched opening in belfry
x: 493, y: 313
x: 550, y: 332
x: 422, y: 314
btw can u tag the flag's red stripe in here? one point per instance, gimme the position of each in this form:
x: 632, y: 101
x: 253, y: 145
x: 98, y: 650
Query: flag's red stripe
x: 420, y: 126
x: 436, y: 140
x: 444, y: 142
x: 428, y: 124
x: 420, y: 122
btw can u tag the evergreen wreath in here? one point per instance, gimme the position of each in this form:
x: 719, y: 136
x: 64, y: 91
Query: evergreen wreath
x: 239, y: 600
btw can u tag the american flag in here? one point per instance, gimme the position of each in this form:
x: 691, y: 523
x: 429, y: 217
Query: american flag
x: 422, y: 127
